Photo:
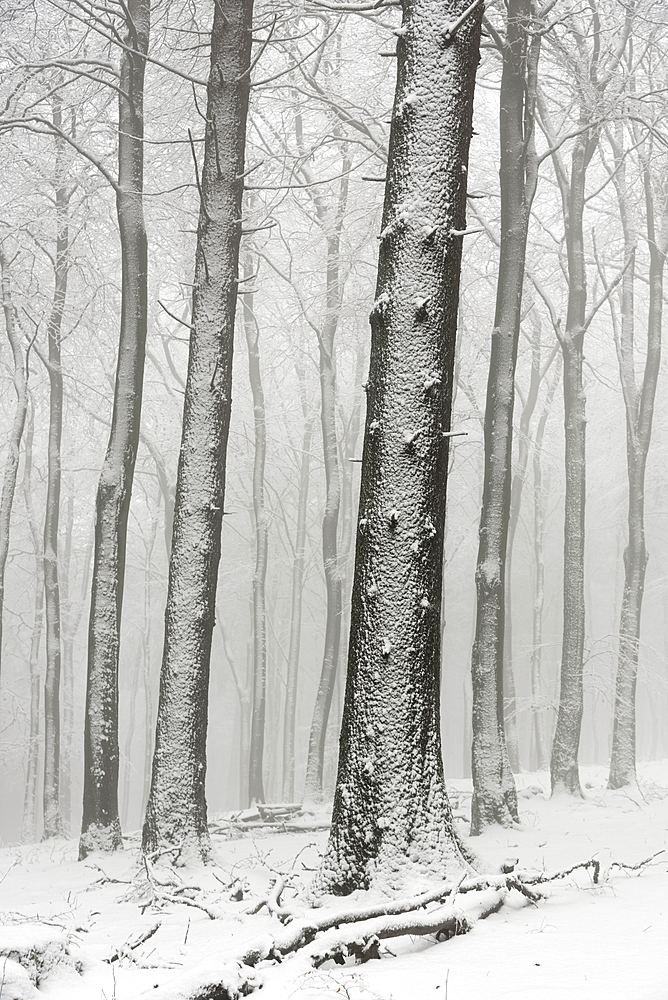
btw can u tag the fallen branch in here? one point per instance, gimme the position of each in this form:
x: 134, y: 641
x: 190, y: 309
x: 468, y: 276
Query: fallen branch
x: 348, y: 933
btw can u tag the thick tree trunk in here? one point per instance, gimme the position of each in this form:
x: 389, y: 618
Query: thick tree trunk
x: 29, y: 825
x: 16, y: 433
x: 494, y: 795
x: 261, y: 532
x: 176, y: 811
x: 392, y: 820
x: 639, y: 412
x: 290, y: 713
x: 101, y: 829
x: 53, y: 819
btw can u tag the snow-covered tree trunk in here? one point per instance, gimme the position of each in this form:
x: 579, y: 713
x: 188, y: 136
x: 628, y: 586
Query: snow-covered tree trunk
x: 101, y: 829
x: 331, y: 221
x: 494, y: 795
x: 176, y: 811
x: 29, y: 824
x: 639, y: 404
x: 16, y: 433
x: 261, y: 532
x: 391, y: 817
x: 564, y: 759
x: 593, y: 69
x: 296, y: 602
x: 53, y: 820
x: 540, y: 756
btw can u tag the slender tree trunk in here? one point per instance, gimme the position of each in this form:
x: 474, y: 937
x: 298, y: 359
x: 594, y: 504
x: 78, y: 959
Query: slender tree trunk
x: 53, y: 819
x: 176, y: 811
x: 639, y: 413
x: 296, y: 611
x: 16, y: 433
x: 494, y: 795
x: 392, y: 820
x: 564, y: 760
x: 261, y: 532
x: 101, y: 829
x: 538, y: 738
x: 313, y: 789
x: 29, y: 826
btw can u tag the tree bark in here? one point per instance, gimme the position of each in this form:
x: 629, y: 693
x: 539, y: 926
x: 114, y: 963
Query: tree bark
x: 53, y: 819
x: 564, y: 770
x: 331, y: 221
x: 101, y: 829
x: 261, y: 532
x: 29, y: 825
x: 176, y: 811
x: 16, y: 433
x: 494, y: 794
x: 639, y: 405
x: 290, y: 713
x: 593, y: 74
x: 392, y: 820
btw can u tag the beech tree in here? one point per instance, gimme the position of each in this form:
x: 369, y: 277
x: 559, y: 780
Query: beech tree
x: 639, y: 400
x: 593, y: 65
x: 494, y: 795
x: 391, y: 811
x: 100, y: 828
x: 21, y: 389
x: 176, y: 810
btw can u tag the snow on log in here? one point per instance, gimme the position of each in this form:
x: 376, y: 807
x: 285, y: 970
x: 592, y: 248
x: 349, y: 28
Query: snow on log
x: 37, y: 949
x: 233, y: 975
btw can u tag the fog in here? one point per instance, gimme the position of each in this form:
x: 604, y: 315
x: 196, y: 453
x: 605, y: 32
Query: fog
x: 303, y: 147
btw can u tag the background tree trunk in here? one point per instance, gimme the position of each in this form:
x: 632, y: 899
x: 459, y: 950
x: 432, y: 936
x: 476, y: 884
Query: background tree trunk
x: 296, y: 610
x: 16, y: 433
x: 639, y: 405
x: 261, y: 531
x: 176, y: 810
x: 331, y: 222
x: 494, y: 795
x: 101, y: 829
x: 29, y: 825
x: 53, y: 819
x: 391, y: 817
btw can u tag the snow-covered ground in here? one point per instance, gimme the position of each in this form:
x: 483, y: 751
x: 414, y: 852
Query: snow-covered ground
x: 583, y: 941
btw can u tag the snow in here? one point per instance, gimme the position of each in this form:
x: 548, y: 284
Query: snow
x: 584, y: 940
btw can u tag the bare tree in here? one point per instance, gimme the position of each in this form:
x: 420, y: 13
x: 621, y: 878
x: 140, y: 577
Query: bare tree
x: 494, y: 795
x: 391, y: 812
x: 176, y: 810
x: 53, y: 819
x: 639, y: 407
x: 261, y: 532
x: 592, y: 66
x: 16, y: 433
x: 100, y: 829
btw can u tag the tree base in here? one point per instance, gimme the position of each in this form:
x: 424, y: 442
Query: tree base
x: 100, y: 839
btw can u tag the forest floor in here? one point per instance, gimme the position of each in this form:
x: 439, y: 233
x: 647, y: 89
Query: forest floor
x: 584, y: 940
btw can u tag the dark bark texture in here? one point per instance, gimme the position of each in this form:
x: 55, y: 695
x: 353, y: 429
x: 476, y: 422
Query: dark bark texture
x: 391, y: 818
x: 176, y: 811
x: 494, y: 794
x: 101, y: 828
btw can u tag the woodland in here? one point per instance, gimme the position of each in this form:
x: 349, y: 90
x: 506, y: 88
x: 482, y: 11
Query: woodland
x: 332, y: 517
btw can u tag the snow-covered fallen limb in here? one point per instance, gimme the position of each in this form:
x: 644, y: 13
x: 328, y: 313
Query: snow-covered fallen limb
x: 234, y: 975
